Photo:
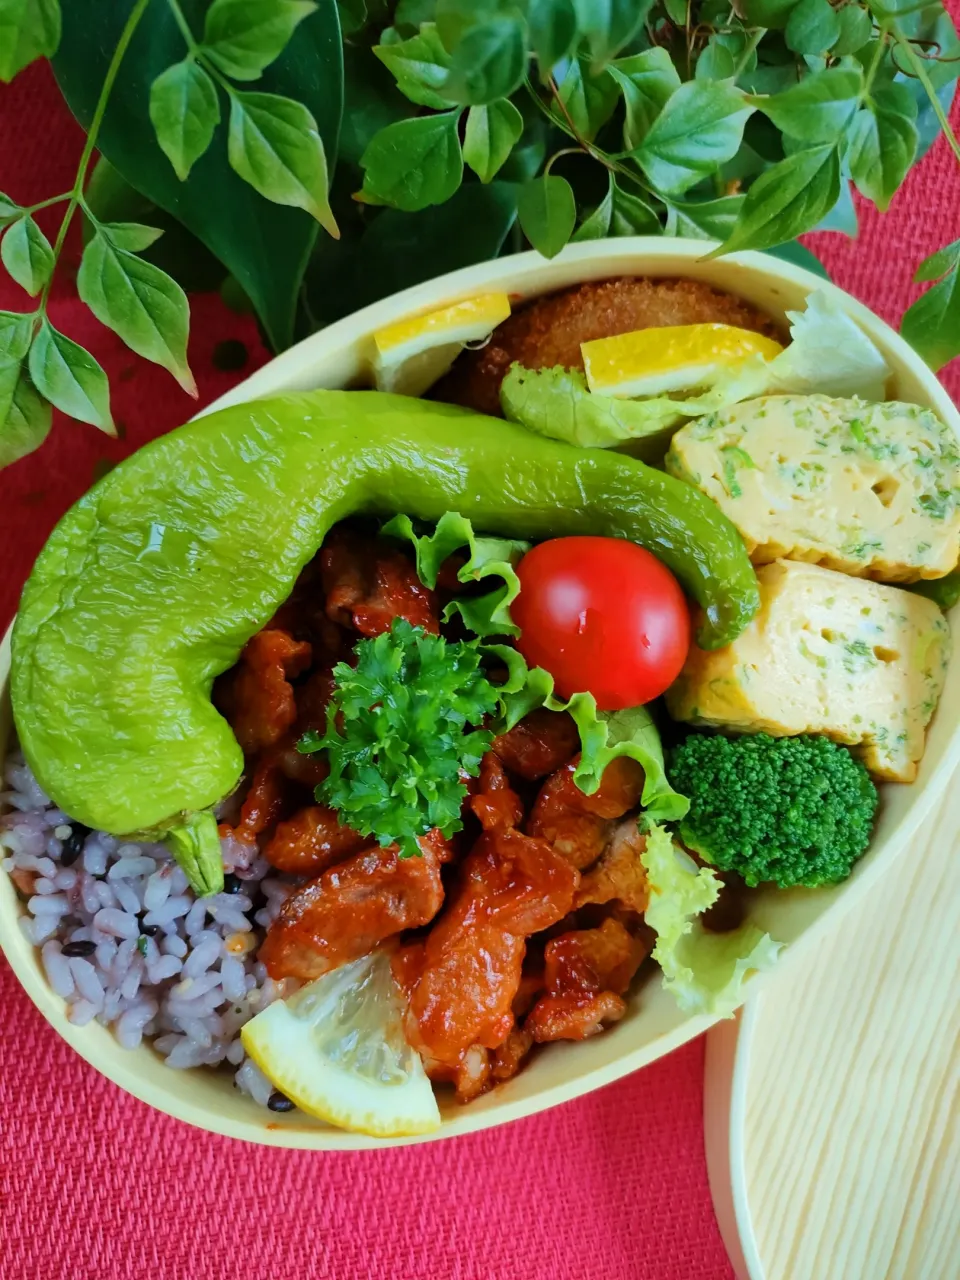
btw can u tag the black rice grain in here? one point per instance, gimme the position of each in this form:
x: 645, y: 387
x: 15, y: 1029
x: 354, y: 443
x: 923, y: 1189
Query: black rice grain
x: 73, y: 845
x: 78, y: 949
x: 280, y: 1102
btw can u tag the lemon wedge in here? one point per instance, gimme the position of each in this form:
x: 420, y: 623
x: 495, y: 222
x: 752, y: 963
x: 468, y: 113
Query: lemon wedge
x: 411, y: 355
x: 336, y: 1048
x: 652, y: 362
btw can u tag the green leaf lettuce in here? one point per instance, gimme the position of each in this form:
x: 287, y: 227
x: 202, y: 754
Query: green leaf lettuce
x: 704, y: 971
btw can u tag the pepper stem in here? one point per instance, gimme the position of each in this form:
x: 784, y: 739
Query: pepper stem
x: 195, y: 844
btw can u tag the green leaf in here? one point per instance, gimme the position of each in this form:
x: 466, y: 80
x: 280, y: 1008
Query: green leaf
x: 610, y: 24
x: 411, y: 13
x: 597, y: 224
x: 882, y: 143
x: 766, y: 13
x: 242, y: 37
x: 817, y: 109
x: 797, y: 253
x: 938, y: 264
x: 699, y: 128
x: 488, y: 63
x: 552, y: 29
x: 25, y: 417
x: 225, y: 213
x: 147, y: 309
x: 9, y: 211
x: 29, y: 29
x: 932, y: 324
x: 856, y: 29
x: 372, y: 100
x: 547, y: 213
x: 706, y: 220
x: 843, y: 216
x: 632, y: 216
x: 16, y: 334
x: 414, y: 163
x: 813, y: 27
x: 398, y: 250
x: 454, y: 18
x: 27, y: 255
x: 944, y: 591
x: 185, y: 111
x: 590, y: 99
x: 490, y: 136
x: 274, y: 145
x: 353, y: 16
x: 647, y: 80
x: 420, y: 65
x: 68, y: 376
x: 133, y: 236
x: 787, y: 200
x: 715, y: 62
x: 109, y: 199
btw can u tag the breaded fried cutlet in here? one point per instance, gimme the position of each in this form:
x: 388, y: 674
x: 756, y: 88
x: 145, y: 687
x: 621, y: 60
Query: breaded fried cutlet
x: 549, y: 330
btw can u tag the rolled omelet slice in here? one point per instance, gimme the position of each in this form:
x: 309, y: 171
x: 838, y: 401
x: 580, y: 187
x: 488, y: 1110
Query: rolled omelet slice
x: 869, y: 489
x: 860, y: 662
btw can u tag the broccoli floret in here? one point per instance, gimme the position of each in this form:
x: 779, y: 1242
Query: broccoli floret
x: 795, y: 811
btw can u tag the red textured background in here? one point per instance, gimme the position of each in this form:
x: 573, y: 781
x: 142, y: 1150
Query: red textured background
x: 96, y: 1186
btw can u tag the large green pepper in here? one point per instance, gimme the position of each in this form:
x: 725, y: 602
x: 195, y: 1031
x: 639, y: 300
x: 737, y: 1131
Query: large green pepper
x: 151, y: 585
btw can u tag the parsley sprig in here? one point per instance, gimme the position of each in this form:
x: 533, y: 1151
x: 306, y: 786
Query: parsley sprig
x: 401, y: 733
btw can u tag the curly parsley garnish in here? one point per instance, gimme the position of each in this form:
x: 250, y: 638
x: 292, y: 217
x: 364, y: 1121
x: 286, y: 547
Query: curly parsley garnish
x: 399, y: 735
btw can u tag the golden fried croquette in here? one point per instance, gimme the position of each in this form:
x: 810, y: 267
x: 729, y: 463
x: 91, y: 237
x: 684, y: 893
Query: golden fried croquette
x: 549, y: 330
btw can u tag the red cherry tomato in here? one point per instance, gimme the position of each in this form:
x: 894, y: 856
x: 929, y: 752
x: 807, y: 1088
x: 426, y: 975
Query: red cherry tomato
x: 602, y: 616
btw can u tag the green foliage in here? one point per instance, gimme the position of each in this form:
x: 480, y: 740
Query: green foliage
x: 547, y: 212
x: 561, y: 119
x: 407, y: 710
x: 932, y: 324
x: 794, y: 811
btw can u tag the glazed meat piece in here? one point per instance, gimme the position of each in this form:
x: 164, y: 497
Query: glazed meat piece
x: 263, y: 804
x: 462, y: 981
x: 549, y: 331
x: 303, y: 615
x: 619, y: 875
x: 539, y: 744
x: 508, y: 1057
x: 311, y: 841
x: 578, y: 825
x: 586, y: 973
x: 494, y: 801
x: 368, y: 582
x: 256, y: 697
x: 311, y: 698
x: 353, y: 907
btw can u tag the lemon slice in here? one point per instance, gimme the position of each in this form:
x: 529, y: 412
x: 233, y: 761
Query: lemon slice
x: 651, y: 362
x: 336, y: 1048
x: 411, y: 355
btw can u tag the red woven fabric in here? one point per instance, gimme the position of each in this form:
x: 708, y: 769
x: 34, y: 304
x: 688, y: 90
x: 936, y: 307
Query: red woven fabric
x: 96, y: 1186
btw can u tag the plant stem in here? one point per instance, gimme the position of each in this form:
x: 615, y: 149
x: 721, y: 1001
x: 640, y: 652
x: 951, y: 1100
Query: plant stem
x: 184, y: 26
x: 749, y: 49
x: 920, y: 71
x: 126, y: 35
x: 45, y: 204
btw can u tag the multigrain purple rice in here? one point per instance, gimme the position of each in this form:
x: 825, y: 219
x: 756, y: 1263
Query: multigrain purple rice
x: 125, y: 942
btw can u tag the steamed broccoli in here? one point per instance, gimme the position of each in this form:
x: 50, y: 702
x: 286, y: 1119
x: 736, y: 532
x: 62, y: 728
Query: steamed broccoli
x: 795, y: 811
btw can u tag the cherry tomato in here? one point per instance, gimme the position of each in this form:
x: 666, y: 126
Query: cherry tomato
x: 604, y: 616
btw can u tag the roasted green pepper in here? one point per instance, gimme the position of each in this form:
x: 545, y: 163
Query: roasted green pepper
x: 151, y: 585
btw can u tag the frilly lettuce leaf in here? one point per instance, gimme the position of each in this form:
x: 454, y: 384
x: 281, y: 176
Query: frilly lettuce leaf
x: 828, y: 354
x: 603, y: 735
x: 705, y: 971
x: 487, y: 615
